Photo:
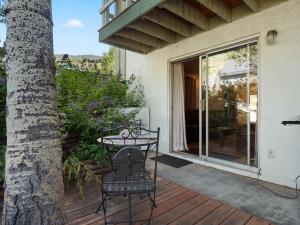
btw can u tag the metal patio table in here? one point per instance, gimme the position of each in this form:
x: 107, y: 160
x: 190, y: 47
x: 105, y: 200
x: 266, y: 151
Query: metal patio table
x: 119, y: 141
x: 115, y: 142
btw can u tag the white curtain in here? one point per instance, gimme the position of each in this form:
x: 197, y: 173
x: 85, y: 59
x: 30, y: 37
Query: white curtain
x: 179, y: 130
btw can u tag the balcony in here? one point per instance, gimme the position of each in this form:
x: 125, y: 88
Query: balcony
x: 146, y: 25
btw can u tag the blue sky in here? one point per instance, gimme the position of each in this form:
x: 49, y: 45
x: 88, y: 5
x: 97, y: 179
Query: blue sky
x: 75, y: 27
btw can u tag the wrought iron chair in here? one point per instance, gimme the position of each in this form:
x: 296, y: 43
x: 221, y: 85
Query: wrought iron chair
x: 128, y: 174
x: 115, y: 128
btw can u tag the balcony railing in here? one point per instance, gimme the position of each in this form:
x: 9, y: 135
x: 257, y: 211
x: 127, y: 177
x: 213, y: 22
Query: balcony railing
x: 112, y: 8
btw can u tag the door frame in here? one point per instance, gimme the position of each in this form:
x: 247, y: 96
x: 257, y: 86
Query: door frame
x: 206, y: 52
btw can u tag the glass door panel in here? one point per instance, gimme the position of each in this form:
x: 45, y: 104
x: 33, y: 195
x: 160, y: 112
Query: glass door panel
x: 229, y: 105
x: 253, y: 103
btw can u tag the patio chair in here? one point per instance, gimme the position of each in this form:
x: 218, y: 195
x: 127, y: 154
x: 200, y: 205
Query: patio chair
x: 115, y: 128
x: 128, y: 174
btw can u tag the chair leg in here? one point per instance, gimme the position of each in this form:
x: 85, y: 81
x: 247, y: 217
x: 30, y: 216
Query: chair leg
x: 129, y: 209
x: 102, y: 204
x: 99, y: 207
x: 152, y: 201
x: 151, y: 213
x: 104, y: 212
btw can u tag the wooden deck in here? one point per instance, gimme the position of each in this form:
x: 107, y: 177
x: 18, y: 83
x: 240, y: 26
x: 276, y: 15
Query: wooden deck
x: 176, y: 206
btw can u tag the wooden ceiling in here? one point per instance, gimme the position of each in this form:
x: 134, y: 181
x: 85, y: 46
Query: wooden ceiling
x: 168, y: 22
x: 197, y: 5
x: 233, y: 3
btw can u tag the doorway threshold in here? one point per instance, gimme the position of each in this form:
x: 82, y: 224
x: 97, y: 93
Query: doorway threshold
x: 231, y: 167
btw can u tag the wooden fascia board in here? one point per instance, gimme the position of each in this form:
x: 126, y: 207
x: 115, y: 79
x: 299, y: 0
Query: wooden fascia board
x: 141, y: 37
x: 130, y: 44
x: 129, y: 15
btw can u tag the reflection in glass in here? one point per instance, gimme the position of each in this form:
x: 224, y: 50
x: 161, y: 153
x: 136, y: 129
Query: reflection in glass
x: 232, y: 104
x: 221, y: 105
x: 253, y: 103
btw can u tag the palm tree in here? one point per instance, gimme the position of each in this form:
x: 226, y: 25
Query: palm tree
x: 34, y: 185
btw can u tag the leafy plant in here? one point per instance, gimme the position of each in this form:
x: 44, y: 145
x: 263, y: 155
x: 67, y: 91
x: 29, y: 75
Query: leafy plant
x: 77, y: 88
x: 87, y: 151
x: 115, y: 116
x: 135, y: 93
x: 108, y: 62
x: 75, y: 169
x: 87, y: 102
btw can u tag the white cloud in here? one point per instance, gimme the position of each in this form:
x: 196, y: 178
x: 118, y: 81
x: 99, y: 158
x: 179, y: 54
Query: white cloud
x: 74, y: 23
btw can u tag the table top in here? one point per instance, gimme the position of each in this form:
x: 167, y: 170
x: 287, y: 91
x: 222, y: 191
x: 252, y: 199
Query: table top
x: 118, y: 140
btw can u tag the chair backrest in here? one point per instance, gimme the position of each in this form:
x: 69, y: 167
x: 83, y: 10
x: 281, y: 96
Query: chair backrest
x: 129, y: 140
x: 130, y: 136
x: 128, y: 163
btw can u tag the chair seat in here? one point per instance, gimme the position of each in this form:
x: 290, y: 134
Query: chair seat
x: 141, y: 183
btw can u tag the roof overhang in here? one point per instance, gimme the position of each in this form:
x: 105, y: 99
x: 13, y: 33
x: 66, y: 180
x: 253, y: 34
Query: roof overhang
x: 148, y: 25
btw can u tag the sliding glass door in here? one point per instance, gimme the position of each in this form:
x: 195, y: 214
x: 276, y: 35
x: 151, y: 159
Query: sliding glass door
x: 228, y: 105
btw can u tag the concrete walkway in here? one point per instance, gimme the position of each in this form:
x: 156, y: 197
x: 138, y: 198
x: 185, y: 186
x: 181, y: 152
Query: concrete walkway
x: 241, y: 192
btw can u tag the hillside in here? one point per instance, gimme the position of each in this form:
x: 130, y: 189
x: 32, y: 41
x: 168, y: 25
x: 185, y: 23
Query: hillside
x: 77, y: 58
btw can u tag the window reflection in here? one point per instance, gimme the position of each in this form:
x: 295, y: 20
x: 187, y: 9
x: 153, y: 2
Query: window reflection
x: 232, y: 104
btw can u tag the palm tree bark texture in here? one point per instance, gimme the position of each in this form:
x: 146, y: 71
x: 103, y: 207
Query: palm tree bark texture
x: 34, y: 185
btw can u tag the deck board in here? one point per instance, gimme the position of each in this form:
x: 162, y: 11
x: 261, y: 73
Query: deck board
x: 217, y: 216
x: 258, y: 221
x: 237, y: 218
x: 176, y: 206
x: 180, y: 210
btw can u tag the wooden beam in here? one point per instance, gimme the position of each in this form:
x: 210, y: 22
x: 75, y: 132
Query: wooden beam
x: 141, y: 37
x: 123, y: 47
x: 130, y: 44
x: 169, y: 21
x: 155, y: 30
x: 187, y: 12
x: 219, y: 7
x: 252, y: 4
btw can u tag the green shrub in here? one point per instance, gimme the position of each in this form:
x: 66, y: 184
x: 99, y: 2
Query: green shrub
x: 86, y: 103
x: 108, y: 62
x: 135, y: 93
x: 77, y: 89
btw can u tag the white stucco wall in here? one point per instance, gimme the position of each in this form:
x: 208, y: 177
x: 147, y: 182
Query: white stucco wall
x: 279, y: 78
x: 135, y: 64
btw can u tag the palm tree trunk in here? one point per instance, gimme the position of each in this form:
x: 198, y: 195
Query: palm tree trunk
x: 34, y: 185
